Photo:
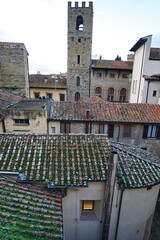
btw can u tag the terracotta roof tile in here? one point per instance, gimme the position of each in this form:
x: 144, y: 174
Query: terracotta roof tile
x: 105, y: 111
x: 28, y: 212
x: 154, y: 54
x: 112, y: 64
x: 8, y: 98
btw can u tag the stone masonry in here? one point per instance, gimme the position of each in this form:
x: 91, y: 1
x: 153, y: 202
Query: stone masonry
x: 14, y: 68
x: 80, y: 21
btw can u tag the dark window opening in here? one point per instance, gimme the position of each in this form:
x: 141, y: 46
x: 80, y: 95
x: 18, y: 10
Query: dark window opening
x: 79, y: 39
x: 49, y: 95
x: 78, y: 59
x: 98, y: 91
x: 62, y: 97
x: 125, y: 75
x: 79, y: 24
x: 107, y: 129
x: 122, y: 97
x: 154, y: 93
x: 37, y: 94
x: 21, y: 121
x: 77, y: 96
x: 110, y: 94
x: 99, y: 74
x: 64, y: 127
x: 112, y: 75
x: 78, y: 81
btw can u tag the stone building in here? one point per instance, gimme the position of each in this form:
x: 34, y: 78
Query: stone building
x: 86, y: 77
x: 80, y: 20
x: 51, y: 86
x: 14, y: 68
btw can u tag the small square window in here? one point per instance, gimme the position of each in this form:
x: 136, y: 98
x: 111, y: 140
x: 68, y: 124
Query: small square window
x: 154, y: 93
x: 99, y: 74
x: 53, y: 130
x: 79, y: 39
x: 88, y: 205
x: 37, y: 94
x: 125, y: 75
x: 112, y: 75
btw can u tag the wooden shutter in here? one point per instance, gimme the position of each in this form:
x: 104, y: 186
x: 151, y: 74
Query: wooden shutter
x: 62, y: 130
x: 145, y: 131
x: 158, y: 132
x: 110, y: 130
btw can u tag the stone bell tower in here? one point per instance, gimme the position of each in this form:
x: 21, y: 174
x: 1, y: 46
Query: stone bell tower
x: 80, y: 21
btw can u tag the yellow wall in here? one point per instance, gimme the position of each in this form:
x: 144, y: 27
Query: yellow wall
x: 37, y: 124
x: 55, y: 92
x: 1, y: 127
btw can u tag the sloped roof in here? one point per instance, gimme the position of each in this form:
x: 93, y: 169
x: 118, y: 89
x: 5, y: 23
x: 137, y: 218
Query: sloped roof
x: 47, y: 81
x: 28, y: 212
x: 155, y: 77
x: 112, y: 64
x: 107, y: 111
x: 8, y: 98
x: 94, y: 99
x: 154, y: 54
x: 30, y: 104
x: 139, y: 43
x: 136, y: 167
x: 74, y: 160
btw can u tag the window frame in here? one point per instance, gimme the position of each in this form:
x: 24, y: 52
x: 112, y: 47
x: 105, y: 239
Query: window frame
x: 83, y: 204
x: 21, y: 122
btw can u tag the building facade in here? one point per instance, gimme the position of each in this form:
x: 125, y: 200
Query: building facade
x: 80, y: 21
x: 14, y: 68
x: 146, y: 64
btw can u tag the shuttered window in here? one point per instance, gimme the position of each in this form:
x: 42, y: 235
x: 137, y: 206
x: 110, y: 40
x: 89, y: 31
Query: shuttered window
x: 64, y: 127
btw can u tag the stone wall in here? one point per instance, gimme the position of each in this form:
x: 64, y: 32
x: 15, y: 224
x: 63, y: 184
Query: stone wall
x: 14, y: 68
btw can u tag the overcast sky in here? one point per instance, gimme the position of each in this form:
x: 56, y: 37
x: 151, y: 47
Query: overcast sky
x: 42, y: 26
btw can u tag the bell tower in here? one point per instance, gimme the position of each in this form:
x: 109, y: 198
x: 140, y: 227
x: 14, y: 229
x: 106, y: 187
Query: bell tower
x: 80, y: 23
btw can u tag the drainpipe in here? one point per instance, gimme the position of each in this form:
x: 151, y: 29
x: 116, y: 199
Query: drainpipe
x: 119, y: 213
x: 118, y: 133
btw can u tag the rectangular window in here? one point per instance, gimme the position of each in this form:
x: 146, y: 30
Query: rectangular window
x: 21, y: 121
x: 88, y: 205
x: 106, y: 129
x: 125, y: 75
x: 78, y: 59
x: 154, y: 93
x: 49, y: 95
x: 127, y: 131
x: 62, y: 97
x: 53, y: 130
x: 64, y: 127
x: 151, y: 131
x: 99, y: 74
x: 37, y: 94
x: 112, y: 75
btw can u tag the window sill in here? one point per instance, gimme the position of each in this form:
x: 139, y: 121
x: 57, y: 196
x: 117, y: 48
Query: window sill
x: 88, y: 216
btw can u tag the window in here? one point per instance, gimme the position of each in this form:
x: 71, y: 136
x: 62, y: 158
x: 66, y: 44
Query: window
x: 53, y: 130
x: 99, y: 74
x: 62, y: 97
x: 98, y: 91
x: 107, y: 129
x: 125, y: 75
x: 112, y: 75
x: 154, y: 93
x: 79, y: 39
x: 21, y: 121
x: 49, y: 95
x: 151, y: 131
x: 78, y: 59
x: 88, y: 205
x: 127, y: 130
x: 78, y: 81
x: 64, y: 127
x: 122, y: 96
x: 37, y: 94
x: 110, y: 94
x: 79, y: 23
x: 77, y: 96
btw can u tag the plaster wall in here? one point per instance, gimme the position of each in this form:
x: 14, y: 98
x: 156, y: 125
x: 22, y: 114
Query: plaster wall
x: 37, y: 123
x: 43, y: 92
x: 1, y: 127
x: 74, y: 227
x: 136, y: 213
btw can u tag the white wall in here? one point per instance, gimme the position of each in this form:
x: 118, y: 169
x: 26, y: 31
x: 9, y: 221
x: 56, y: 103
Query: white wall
x: 74, y: 228
x: 137, y: 208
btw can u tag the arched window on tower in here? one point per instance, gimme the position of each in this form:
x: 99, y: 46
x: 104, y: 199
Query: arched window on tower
x: 78, y: 81
x: 122, y: 97
x: 77, y: 96
x: 110, y: 97
x: 79, y: 23
x: 98, y: 91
